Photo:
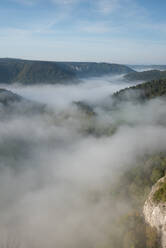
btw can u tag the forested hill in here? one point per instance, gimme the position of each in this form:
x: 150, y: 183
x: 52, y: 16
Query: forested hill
x: 144, y: 91
x: 145, y: 75
x: 92, y: 69
x: 12, y: 104
x: 32, y: 72
x: 136, y: 183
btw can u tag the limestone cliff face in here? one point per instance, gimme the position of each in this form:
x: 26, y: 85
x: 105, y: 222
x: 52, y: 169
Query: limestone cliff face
x: 155, y: 213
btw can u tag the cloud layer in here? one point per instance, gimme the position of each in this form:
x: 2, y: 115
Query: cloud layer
x: 55, y: 178
x: 103, y: 30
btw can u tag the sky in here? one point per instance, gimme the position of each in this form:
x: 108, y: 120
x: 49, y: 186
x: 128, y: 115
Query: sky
x: 118, y: 31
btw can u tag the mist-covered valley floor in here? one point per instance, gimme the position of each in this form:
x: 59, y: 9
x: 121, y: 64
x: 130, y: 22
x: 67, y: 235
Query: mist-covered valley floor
x: 61, y: 167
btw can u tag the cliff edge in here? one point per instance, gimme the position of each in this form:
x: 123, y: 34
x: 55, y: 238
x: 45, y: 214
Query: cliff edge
x: 154, y: 209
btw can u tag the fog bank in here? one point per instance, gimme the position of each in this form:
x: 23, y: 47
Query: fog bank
x: 56, y: 177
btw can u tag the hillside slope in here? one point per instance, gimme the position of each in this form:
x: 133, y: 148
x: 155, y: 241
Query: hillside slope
x: 144, y: 91
x: 12, y: 104
x: 33, y: 72
x: 148, y: 67
x: 146, y: 75
x: 92, y: 69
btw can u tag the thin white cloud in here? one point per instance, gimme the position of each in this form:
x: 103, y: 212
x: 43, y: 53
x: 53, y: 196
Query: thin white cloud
x: 121, y: 26
x: 14, y: 32
x: 26, y: 2
x: 64, y: 2
x: 157, y: 27
x: 108, y: 6
x: 95, y: 27
x: 58, y: 2
x: 121, y: 8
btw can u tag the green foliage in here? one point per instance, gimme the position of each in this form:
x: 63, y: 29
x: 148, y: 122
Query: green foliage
x: 152, y: 237
x: 133, y: 232
x: 144, y: 91
x: 137, y: 181
x: 146, y: 75
x: 31, y: 72
x: 135, y: 185
x: 83, y: 106
x: 86, y: 69
x: 135, y: 235
x: 156, y: 175
x: 160, y: 194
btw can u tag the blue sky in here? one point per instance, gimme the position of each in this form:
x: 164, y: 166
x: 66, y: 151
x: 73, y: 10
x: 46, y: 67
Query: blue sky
x: 120, y: 31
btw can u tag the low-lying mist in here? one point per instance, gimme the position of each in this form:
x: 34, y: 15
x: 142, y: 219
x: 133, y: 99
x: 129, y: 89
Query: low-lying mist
x: 60, y: 95
x: 56, y: 172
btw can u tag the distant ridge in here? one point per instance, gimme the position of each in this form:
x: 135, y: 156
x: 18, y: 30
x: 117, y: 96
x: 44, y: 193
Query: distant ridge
x: 33, y: 72
x: 147, y: 67
x: 146, y: 75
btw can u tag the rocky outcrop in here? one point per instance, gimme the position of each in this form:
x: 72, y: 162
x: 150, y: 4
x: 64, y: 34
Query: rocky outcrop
x: 155, y: 213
